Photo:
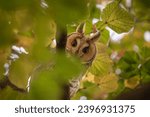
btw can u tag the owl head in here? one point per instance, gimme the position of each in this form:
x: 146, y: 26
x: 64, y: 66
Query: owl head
x: 82, y: 46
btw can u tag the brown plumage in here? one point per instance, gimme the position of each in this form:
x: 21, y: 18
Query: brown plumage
x: 83, y: 47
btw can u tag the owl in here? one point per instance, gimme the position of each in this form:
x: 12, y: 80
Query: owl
x: 83, y: 47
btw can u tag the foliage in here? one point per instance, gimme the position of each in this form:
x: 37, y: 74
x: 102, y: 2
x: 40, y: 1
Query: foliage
x: 117, y: 18
x: 118, y: 66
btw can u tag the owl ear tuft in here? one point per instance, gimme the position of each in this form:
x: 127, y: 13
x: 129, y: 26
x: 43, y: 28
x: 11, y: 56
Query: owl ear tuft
x: 80, y: 28
x: 95, y: 36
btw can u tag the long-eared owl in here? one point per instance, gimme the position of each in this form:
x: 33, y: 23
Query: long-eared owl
x: 83, y: 47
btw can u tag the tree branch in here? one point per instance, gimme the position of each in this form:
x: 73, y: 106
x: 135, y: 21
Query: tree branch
x: 61, y: 39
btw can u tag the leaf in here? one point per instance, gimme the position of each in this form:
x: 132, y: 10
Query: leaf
x: 104, y: 36
x: 89, y: 90
x: 10, y: 94
x: 66, y: 67
x: 45, y: 87
x: 119, y: 90
x: 100, y: 25
x: 117, y: 18
x: 107, y: 83
x: 89, y: 77
x: 66, y: 11
x: 132, y: 82
x: 88, y: 27
x: 129, y: 64
x: 102, y: 64
x: 145, y: 72
x: 95, y: 12
x: 50, y: 79
x: 20, y: 71
x: 145, y: 52
x: 71, y: 28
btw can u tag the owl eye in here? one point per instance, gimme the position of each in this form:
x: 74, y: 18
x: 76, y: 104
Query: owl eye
x: 74, y: 43
x: 85, y: 50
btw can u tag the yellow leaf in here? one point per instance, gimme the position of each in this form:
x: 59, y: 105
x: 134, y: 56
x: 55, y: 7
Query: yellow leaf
x: 89, y: 77
x: 107, y: 83
x: 132, y: 82
x: 101, y: 65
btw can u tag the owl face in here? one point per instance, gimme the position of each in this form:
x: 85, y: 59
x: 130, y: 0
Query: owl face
x: 81, y: 46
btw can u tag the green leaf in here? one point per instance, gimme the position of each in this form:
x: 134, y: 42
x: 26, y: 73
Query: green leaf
x: 102, y: 64
x: 71, y: 28
x: 45, y: 87
x: 88, y: 27
x: 129, y: 64
x: 145, y: 52
x: 20, y: 71
x: 119, y: 90
x: 51, y: 77
x: 100, y: 25
x: 91, y: 91
x: 95, y: 13
x: 67, y: 11
x: 104, y: 36
x: 145, y: 73
x: 10, y: 94
x: 117, y: 18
